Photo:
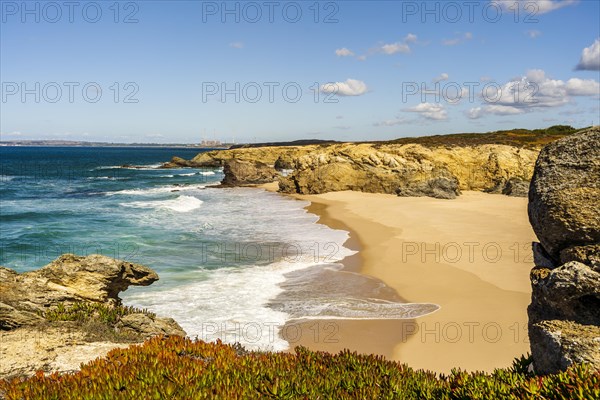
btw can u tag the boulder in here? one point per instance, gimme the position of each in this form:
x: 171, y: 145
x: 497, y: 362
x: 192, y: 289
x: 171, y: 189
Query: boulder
x: 564, y: 314
x: 565, y: 193
x: 146, y: 326
x: 67, y: 280
x: 439, y: 188
x: 560, y: 344
x: 238, y: 173
x: 569, y: 292
x: 589, y: 255
x: 516, y: 187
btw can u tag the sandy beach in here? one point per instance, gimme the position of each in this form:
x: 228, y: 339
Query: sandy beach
x: 471, y: 256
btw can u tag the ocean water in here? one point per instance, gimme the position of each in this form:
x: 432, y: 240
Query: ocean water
x: 234, y: 264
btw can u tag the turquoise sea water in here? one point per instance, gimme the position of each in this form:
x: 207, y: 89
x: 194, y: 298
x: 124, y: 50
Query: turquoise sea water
x: 223, y: 255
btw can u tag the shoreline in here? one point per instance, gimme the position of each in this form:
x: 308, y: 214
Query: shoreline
x: 482, y: 322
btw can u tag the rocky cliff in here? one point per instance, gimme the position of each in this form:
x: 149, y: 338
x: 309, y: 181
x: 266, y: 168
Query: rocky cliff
x: 402, y: 169
x: 409, y: 170
x: 564, y: 210
x: 69, y: 303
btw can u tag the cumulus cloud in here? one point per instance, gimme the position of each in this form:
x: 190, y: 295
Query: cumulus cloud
x: 457, y: 40
x: 533, y: 33
x: 410, y: 38
x: 590, y: 58
x: 344, y: 52
x: 534, y: 7
x: 478, y: 112
x: 401, y: 46
x: 582, y: 87
x: 237, y: 45
x: 394, y: 48
x: 533, y: 91
x: 442, y: 77
x: 351, y: 87
x: 430, y: 111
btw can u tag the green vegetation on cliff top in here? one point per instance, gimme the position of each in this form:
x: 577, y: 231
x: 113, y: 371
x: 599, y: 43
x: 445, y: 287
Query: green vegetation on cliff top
x: 515, y: 137
x: 180, y: 368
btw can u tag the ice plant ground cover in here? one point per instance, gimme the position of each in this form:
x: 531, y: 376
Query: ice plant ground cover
x: 181, y: 368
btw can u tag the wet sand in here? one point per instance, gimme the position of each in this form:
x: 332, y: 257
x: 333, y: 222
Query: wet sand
x: 471, y: 256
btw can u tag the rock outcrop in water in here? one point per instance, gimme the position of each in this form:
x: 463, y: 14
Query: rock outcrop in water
x: 26, y: 299
x: 564, y: 210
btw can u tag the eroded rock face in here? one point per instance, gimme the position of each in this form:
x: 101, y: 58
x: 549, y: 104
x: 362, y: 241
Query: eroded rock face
x: 34, y: 343
x: 410, y: 170
x: 239, y: 173
x: 404, y: 169
x: 564, y: 198
x: 68, y: 279
x: 565, y: 193
x: 560, y: 344
x: 569, y: 292
x: 146, y: 326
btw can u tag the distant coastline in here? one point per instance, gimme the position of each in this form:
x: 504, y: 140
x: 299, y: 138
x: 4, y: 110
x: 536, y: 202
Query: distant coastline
x: 74, y: 143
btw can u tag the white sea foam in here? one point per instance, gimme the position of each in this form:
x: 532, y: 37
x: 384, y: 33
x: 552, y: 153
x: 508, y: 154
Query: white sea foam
x: 137, y: 167
x: 180, y: 204
x: 157, y: 190
x: 189, y: 174
x: 228, y: 304
x: 207, y: 173
x: 249, y: 301
x: 7, y: 178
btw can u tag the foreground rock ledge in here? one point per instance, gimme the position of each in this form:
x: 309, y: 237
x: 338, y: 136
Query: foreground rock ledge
x: 29, y: 343
x: 564, y: 198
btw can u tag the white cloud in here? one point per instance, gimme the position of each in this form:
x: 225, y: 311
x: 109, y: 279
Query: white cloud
x: 343, y: 52
x: 582, y: 87
x: 394, y: 48
x: 391, y: 122
x: 478, y: 112
x: 410, y: 38
x: 534, y: 7
x: 430, y: 111
x: 401, y: 46
x: 442, y: 77
x: 460, y: 39
x: 351, y: 87
x: 533, y: 33
x: 590, y: 58
x: 236, y: 45
x: 533, y: 91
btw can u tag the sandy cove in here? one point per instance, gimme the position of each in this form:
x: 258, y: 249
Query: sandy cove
x: 471, y: 256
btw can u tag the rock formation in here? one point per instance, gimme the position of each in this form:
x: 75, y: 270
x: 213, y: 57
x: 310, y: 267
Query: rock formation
x: 406, y: 169
x: 70, y: 280
x: 239, y: 173
x: 564, y: 210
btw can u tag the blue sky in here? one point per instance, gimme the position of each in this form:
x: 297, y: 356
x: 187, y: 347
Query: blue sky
x: 180, y: 71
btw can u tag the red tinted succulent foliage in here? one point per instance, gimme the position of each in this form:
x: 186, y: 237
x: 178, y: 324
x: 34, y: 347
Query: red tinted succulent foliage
x: 181, y: 368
